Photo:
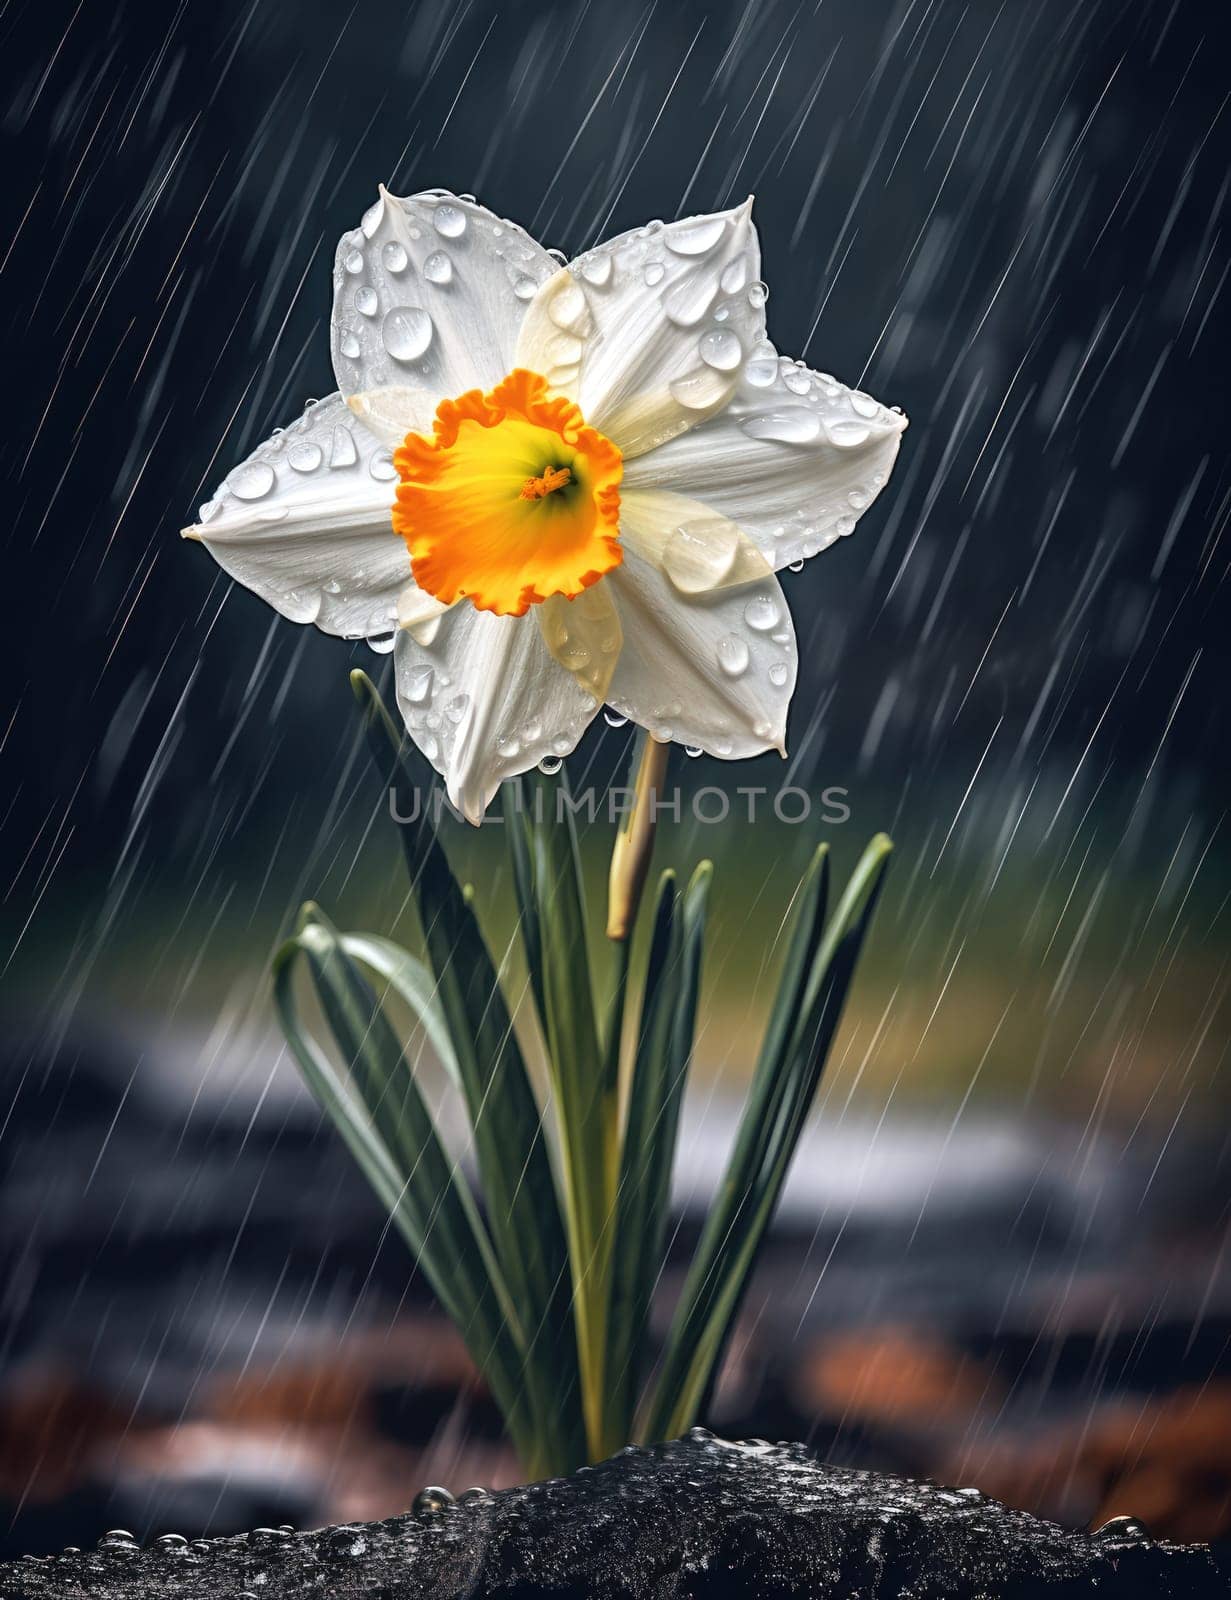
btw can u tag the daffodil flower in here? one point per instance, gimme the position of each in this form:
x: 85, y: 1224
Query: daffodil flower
x: 548, y: 488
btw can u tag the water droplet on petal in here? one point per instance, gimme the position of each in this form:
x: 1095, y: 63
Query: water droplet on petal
x: 779, y: 673
x: 394, y: 256
x: 342, y: 452
x: 438, y: 268
x: 305, y: 456
x: 596, y: 268
x: 761, y: 371
x: 381, y: 644
x: 797, y: 381
x: 350, y: 346
x: 382, y: 468
x: 721, y: 349
x: 733, y: 655
x: 613, y: 719
x: 693, y: 750
x: 699, y: 555
x: 366, y: 300
x: 761, y: 614
x: 550, y: 765
x: 734, y: 276
x: 525, y: 288
x: 695, y: 238
x: 758, y: 294
x: 790, y: 425
x: 407, y: 332
x: 864, y: 404
x: 846, y: 434
x: 417, y: 685
x: 449, y: 221
x: 654, y: 273
x: 796, y: 566
x: 252, y: 481
x: 354, y: 261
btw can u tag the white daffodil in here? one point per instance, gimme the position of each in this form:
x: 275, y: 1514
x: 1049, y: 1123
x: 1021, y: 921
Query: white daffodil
x: 548, y: 488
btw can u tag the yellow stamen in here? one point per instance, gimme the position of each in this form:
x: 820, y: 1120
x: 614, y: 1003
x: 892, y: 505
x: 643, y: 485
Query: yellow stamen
x: 479, y: 504
x: 552, y: 479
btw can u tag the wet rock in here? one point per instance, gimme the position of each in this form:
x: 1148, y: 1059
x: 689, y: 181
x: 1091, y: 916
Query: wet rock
x: 696, y: 1518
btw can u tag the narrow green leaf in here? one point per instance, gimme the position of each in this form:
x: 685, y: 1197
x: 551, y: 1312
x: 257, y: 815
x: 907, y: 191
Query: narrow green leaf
x: 411, y: 981
x: 390, y: 1131
x: 587, y: 1123
x: 815, y: 985
x: 511, y: 1150
x: 660, y: 1072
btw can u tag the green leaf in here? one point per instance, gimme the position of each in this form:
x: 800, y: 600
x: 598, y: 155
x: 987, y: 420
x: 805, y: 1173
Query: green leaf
x: 660, y: 1072
x: 815, y: 983
x: 389, y: 1130
x: 411, y: 981
x: 511, y: 1151
x: 586, y: 1119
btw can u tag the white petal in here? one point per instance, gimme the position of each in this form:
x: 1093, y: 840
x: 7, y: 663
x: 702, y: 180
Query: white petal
x: 428, y: 294
x: 484, y: 701
x: 304, y: 523
x: 715, y: 671
x: 795, y: 458
x: 648, y: 331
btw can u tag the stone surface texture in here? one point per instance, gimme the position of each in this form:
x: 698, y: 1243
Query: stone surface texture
x: 696, y: 1517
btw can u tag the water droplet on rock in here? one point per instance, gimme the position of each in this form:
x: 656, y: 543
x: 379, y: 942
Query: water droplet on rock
x: 431, y: 1501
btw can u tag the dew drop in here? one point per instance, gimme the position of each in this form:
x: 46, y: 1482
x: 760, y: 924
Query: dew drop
x: 790, y: 425
x: 795, y: 566
x: 407, y: 332
x: 457, y: 708
x: 698, y: 555
x: 695, y: 238
x: 779, y: 673
x: 305, y: 456
x: 525, y: 287
x: 693, y: 750
x: 252, y: 481
x: 431, y: 1501
x: 342, y: 452
x: 449, y: 221
x: 394, y: 256
x: 761, y: 614
x: 761, y: 371
x: 719, y: 348
x: 734, y: 276
x: 613, y: 719
x: 381, y: 644
x: 438, y: 268
x: 847, y: 434
x: 366, y: 300
x: 417, y: 685
x: 354, y: 261
x: 858, y: 499
x: 370, y: 220
x: 382, y: 468
x: 758, y: 294
x: 733, y: 655
x: 864, y: 404
x: 349, y: 346
x: 654, y: 273
x: 596, y: 268
x: 550, y: 765
x: 797, y: 381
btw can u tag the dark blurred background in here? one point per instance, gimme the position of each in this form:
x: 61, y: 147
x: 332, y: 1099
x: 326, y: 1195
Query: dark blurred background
x: 1003, y: 1257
